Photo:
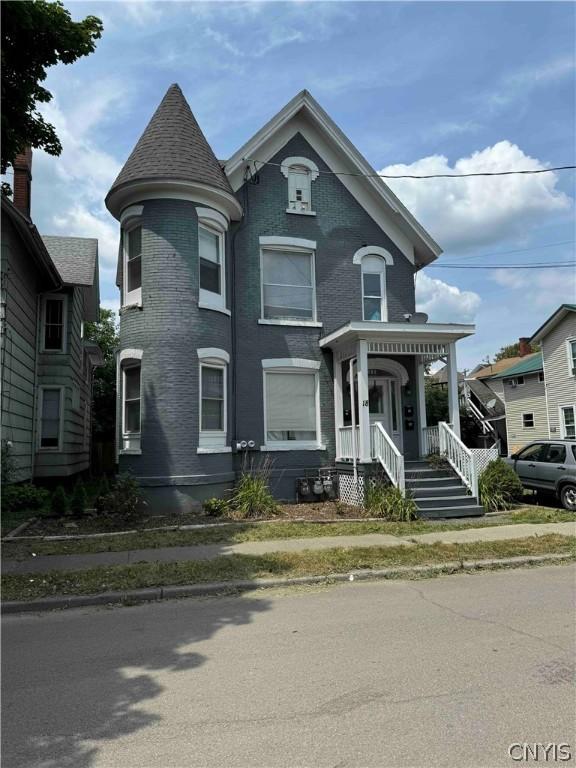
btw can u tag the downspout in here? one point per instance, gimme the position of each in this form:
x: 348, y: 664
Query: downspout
x: 353, y: 415
x: 35, y: 414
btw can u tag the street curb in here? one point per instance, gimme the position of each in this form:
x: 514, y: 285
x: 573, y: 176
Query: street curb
x: 148, y: 594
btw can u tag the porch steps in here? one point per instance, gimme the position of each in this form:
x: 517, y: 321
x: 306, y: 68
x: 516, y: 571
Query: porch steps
x: 439, y: 493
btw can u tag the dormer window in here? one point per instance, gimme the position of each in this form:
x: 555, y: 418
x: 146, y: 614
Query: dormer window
x: 300, y: 173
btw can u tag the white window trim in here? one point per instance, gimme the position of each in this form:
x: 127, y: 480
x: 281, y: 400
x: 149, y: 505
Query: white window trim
x: 561, y: 409
x: 527, y: 426
x: 132, y: 440
x: 313, y: 174
x: 213, y: 440
x: 213, y: 354
x: 60, y: 446
x: 298, y: 245
x: 571, y: 365
x: 64, y: 299
x: 373, y: 250
x: 384, y: 298
x: 297, y: 366
x: 130, y: 298
x: 216, y: 224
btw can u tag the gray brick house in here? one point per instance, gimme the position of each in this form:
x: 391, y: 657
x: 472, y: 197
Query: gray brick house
x: 257, y: 295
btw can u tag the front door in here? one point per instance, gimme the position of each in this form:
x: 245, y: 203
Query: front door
x: 384, y: 405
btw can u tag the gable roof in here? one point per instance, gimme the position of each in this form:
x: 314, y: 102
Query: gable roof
x: 76, y: 259
x: 528, y: 364
x: 494, y: 369
x: 357, y: 174
x: 172, y: 148
x: 553, y: 320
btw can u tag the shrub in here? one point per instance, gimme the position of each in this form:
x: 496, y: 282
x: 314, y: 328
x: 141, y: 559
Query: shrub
x: 123, y: 499
x: 24, y: 496
x: 387, y: 502
x: 7, y: 462
x: 499, y: 486
x: 216, y: 507
x: 78, y: 501
x: 59, y: 502
x: 251, y: 498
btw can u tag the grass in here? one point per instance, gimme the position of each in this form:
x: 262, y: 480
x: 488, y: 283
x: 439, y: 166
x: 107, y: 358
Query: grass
x: 282, y: 564
x: 234, y: 534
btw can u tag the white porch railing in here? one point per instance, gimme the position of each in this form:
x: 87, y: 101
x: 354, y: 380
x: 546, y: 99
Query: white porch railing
x: 432, y: 439
x: 458, y: 456
x: 349, y: 445
x: 388, y: 455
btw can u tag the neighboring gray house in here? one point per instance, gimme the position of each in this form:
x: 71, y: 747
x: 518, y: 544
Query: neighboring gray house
x: 258, y: 295
x: 49, y: 289
x: 558, y: 339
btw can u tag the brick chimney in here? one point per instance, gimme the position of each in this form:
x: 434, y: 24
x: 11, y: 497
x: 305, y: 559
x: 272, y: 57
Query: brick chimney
x: 22, y: 166
x: 524, y: 347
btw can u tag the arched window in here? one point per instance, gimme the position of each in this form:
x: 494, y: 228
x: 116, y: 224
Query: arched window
x: 373, y: 261
x: 300, y: 173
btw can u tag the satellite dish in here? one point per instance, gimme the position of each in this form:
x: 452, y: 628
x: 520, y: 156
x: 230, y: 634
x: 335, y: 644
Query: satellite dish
x: 419, y: 317
x: 491, y: 403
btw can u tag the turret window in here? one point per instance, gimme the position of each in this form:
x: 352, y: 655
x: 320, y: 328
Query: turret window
x: 213, y: 370
x: 212, y: 259
x: 132, y: 239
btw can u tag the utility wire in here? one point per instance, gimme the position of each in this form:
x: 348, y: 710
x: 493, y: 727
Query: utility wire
x: 423, y: 176
x: 518, y: 250
x: 545, y: 265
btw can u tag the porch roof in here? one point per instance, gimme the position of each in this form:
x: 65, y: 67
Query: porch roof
x: 408, y: 334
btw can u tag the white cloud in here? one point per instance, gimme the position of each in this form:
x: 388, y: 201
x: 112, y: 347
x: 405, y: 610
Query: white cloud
x: 465, y: 213
x: 519, y: 84
x: 537, y: 290
x: 444, y: 302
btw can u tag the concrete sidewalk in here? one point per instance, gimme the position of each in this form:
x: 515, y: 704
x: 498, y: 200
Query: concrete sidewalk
x: 209, y: 551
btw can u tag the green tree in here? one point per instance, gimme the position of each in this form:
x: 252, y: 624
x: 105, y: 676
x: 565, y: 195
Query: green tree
x: 36, y: 34
x: 436, y: 404
x: 105, y: 334
x: 510, y: 350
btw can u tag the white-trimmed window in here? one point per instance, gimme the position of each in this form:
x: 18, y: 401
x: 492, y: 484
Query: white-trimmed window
x: 288, y: 281
x: 374, y: 289
x: 51, y: 418
x: 132, y: 249
x: 291, y: 405
x: 568, y: 421
x: 571, y: 357
x: 212, y: 259
x: 300, y: 173
x: 527, y: 420
x: 131, y: 405
x: 541, y: 377
x: 54, y: 321
x: 213, y: 372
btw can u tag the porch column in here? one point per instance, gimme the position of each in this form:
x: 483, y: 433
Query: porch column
x: 338, y: 403
x: 453, y: 399
x: 420, y: 384
x: 363, y: 406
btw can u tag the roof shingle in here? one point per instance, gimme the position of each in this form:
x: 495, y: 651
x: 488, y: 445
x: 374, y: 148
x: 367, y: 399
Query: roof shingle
x: 75, y: 258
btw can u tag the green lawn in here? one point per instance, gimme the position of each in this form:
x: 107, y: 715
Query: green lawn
x: 231, y: 567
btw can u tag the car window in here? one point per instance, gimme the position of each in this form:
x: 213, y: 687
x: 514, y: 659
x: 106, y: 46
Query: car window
x: 574, y: 452
x: 556, y: 454
x: 532, y: 453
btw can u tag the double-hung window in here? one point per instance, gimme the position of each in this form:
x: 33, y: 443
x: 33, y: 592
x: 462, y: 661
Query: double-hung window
x: 571, y: 357
x: 568, y: 421
x: 213, y: 373
x: 288, y: 290
x: 51, y: 418
x: 212, y: 258
x: 374, y: 288
x: 54, y: 323
x: 291, y: 407
x: 527, y: 420
x: 132, y: 241
x: 131, y: 410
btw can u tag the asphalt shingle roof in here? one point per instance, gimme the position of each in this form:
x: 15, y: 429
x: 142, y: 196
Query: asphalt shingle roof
x: 528, y: 364
x: 75, y: 258
x: 173, y: 147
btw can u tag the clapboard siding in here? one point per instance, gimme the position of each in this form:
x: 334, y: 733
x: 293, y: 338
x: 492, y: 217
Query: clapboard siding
x: 527, y: 398
x: 20, y: 286
x: 560, y: 384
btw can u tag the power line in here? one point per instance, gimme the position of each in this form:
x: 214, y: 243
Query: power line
x: 544, y: 265
x: 262, y: 163
x: 517, y: 250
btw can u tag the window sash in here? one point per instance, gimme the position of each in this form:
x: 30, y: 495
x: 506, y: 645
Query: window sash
x: 54, y: 324
x: 132, y: 241
x: 291, y: 406
x: 568, y: 421
x: 288, y: 290
x: 373, y: 299
x: 528, y: 420
x: 51, y: 418
x: 572, y: 350
x: 131, y: 393
x: 213, y: 398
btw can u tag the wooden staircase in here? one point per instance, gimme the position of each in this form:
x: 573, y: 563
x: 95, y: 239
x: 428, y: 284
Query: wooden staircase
x: 439, y: 493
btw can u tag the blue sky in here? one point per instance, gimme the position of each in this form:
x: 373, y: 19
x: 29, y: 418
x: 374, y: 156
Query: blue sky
x: 425, y: 87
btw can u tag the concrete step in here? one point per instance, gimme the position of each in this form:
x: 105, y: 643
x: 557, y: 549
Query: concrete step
x: 434, y: 482
x: 438, y: 490
x: 446, y: 512
x: 437, y: 502
x: 423, y: 474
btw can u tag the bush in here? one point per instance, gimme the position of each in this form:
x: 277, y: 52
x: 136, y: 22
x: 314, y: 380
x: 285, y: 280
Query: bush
x: 78, y: 501
x: 8, y: 465
x: 437, y: 461
x: 252, y: 498
x: 24, y: 496
x: 216, y: 507
x: 123, y: 498
x: 387, y: 502
x: 499, y: 486
x: 59, y: 502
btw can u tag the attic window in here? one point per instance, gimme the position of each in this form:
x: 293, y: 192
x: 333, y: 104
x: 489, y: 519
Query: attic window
x: 300, y: 173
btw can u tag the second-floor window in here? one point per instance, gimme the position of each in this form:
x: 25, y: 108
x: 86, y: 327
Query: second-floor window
x: 132, y: 240
x: 374, y: 288
x: 288, y: 291
x: 131, y: 417
x: 211, y: 252
x: 54, y: 324
x: 572, y: 357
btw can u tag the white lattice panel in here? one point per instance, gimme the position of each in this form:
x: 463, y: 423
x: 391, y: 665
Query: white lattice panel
x: 351, y: 492
x: 482, y: 457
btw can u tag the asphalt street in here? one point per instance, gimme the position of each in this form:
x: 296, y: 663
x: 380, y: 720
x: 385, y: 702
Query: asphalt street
x: 441, y: 672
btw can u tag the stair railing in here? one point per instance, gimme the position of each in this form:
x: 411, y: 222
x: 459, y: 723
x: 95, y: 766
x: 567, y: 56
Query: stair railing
x: 459, y: 456
x: 388, y: 455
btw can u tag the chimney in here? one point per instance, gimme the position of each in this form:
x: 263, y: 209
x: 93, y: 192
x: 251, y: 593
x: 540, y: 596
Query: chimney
x: 22, y: 166
x: 524, y: 347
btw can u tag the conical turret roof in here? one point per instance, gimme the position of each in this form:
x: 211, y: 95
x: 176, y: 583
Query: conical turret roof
x: 172, y: 148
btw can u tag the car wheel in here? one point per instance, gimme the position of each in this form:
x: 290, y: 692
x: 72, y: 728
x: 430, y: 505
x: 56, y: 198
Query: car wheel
x: 568, y: 497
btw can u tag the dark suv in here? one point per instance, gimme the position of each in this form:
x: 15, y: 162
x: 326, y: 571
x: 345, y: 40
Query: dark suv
x: 548, y: 465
